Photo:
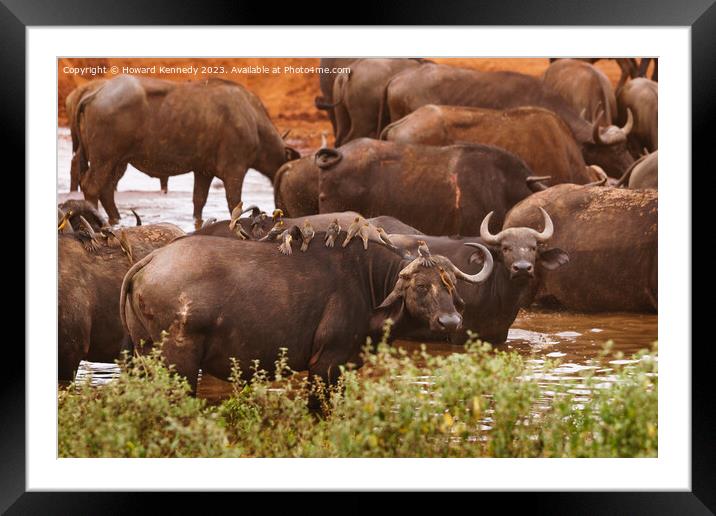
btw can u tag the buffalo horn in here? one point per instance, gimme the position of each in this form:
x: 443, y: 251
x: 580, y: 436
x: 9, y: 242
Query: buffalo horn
x: 548, y: 230
x: 596, y: 133
x: 486, y: 268
x: 629, y: 123
x: 485, y: 234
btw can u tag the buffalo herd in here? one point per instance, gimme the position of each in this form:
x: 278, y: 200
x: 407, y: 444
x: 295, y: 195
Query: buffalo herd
x: 451, y: 199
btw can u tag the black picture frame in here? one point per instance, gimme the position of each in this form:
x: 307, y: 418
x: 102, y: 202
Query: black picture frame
x: 699, y: 15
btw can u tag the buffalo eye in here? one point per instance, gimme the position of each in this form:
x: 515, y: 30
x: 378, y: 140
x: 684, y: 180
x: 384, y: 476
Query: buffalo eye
x: 422, y: 289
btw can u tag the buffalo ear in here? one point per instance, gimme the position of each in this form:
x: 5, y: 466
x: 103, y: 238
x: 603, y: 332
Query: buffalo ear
x: 292, y: 154
x: 478, y: 258
x: 552, y: 259
x: 392, y: 308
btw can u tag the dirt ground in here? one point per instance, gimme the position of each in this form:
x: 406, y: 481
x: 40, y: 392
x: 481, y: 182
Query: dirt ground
x: 288, y: 96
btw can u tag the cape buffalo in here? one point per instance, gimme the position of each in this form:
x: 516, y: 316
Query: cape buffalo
x: 211, y: 127
x: 520, y: 255
x: 584, y: 87
x: 439, y: 190
x: 641, y: 97
x: 326, y: 78
x: 629, y: 66
x: 644, y: 173
x: 218, y: 298
x: 447, y: 85
x: 89, y: 327
x: 80, y: 207
x: 357, y: 95
x: 71, y: 102
x: 644, y: 67
x: 536, y: 135
x: 295, y: 187
x: 611, y: 237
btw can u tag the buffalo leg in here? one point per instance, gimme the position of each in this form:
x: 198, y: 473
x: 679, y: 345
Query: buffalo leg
x: 67, y: 365
x: 183, y: 349
x: 331, y: 349
x: 643, y: 66
x: 233, y: 182
x: 202, y: 182
x: 106, y: 196
x: 164, y: 184
x: 73, y: 333
x: 74, y: 173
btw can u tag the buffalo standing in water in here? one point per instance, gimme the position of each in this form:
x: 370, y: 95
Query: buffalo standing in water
x: 219, y: 298
x: 611, y: 235
x: 326, y: 79
x: 212, y: 127
x: 71, y: 103
x: 585, y: 87
x: 439, y: 190
x: 89, y: 327
x: 451, y: 86
x: 536, y: 135
x: 641, y: 97
x: 644, y: 173
x: 521, y: 256
x: 295, y: 187
x: 357, y: 95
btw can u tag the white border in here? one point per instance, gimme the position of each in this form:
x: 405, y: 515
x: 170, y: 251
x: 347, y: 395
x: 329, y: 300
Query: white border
x: 672, y: 468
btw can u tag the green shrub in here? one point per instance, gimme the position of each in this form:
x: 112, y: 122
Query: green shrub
x: 480, y: 403
x: 146, y: 412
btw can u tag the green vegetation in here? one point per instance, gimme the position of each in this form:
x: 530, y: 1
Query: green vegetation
x: 481, y: 403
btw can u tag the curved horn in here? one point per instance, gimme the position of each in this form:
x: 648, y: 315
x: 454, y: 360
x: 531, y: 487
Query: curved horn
x: 324, y: 140
x: 548, y: 230
x: 629, y: 123
x: 485, y: 234
x: 136, y: 217
x: 284, y: 135
x: 486, y: 268
x: 596, y: 134
x: 250, y: 208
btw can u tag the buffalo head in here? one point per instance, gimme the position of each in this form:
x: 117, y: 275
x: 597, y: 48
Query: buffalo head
x: 427, y: 294
x: 520, y: 249
x: 609, y: 147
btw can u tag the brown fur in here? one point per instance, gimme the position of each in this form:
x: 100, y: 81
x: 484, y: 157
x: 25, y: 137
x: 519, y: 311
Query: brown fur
x: 359, y: 94
x: 641, y: 96
x: 447, y: 85
x: 438, y: 190
x: 585, y: 87
x: 536, y: 135
x: 320, y: 305
x: 611, y: 237
x: 89, y: 327
x: 214, y: 128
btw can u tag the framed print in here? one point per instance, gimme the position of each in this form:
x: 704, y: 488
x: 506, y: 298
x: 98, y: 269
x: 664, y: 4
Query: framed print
x: 426, y: 255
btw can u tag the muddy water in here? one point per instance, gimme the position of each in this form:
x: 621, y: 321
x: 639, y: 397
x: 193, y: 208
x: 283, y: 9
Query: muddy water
x: 575, y: 339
